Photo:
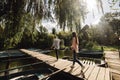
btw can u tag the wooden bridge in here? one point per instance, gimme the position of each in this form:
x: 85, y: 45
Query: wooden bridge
x: 113, y: 60
x: 90, y: 72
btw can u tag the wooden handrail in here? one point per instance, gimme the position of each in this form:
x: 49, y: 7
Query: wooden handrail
x: 20, y: 67
x: 16, y: 59
x: 53, y: 73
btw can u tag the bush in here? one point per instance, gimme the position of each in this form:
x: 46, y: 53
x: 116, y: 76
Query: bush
x: 45, y: 42
x: 66, y: 37
x: 89, y: 45
x: 62, y: 46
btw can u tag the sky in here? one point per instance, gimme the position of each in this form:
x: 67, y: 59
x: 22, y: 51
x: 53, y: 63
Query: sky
x: 97, y: 15
x: 90, y: 19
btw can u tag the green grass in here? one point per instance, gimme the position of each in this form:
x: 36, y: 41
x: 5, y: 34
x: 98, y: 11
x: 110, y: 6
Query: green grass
x: 96, y: 48
x: 106, y: 48
x: 111, y: 48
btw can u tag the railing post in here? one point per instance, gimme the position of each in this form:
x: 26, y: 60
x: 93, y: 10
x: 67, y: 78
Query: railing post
x: 7, y: 66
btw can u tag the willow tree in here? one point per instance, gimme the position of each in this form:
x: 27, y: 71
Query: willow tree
x: 70, y: 13
x: 12, y: 13
x: 15, y: 15
x: 19, y: 15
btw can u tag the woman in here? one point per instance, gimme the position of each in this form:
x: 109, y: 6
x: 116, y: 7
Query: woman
x: 75, y: 49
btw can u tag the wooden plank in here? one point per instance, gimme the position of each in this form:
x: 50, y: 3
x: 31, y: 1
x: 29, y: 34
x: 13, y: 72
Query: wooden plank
x: 86, y: 68
x: 101, y: 74
x: 67, y: 63
x: 46, y: 58
x: 42, y: 56
x: 60, y: 64
x: 86, y: 61
x: 34, y: 54
x: 49, y: 60
x: 94, y: 73
x: 91, y: 63
x: 107, y: 74
x: 115, y: 61
x: 88, y: 72
x: 114, y: 66
x: 115, y: 71
x: 77, y: 68
x: 77, y: 71
x: 81, y: 73
x: 83, y: 61
x: 111, y: 54
x: 70, y: 69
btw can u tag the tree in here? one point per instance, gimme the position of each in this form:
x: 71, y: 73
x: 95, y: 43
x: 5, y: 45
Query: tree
x: 114, y: 20
x: 18, y: 14
x: 107, y: 29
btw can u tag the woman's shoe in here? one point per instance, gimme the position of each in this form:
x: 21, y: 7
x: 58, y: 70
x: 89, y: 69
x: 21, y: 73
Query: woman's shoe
x: 83, y: 67
x: 72, y: 66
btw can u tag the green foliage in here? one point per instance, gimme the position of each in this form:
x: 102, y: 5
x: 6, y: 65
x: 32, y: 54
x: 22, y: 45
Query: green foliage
x: 19, y: 18
x: 42, y: 29
x: 70, y: 13
x: 45, y: 41
x: 111, y: 48
x: 92, y: 46
x: 66, y: 37
x: 62, y: 46
x: 105, y: 33
x: 82, y: 44
x: 89, y: 45
x: 97, y: 47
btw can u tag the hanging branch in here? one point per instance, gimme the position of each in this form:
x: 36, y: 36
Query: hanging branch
x: 100, y: 6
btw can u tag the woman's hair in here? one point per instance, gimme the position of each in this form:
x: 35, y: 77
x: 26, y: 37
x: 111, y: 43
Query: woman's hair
x: 55, y: 36
x: 76, y: 38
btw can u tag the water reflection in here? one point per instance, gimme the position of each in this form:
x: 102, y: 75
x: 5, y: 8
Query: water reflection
x: 62, y: 53
x: 39, y: 70
x: 23, y: 67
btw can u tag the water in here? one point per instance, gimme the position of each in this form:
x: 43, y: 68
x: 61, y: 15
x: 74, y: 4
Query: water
x: 21, y: 68
x: 35, y: 71
x: 63, y: 76
x: 62, y: 53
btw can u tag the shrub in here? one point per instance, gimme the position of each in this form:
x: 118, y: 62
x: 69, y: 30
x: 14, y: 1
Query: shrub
x: 89, y: 45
